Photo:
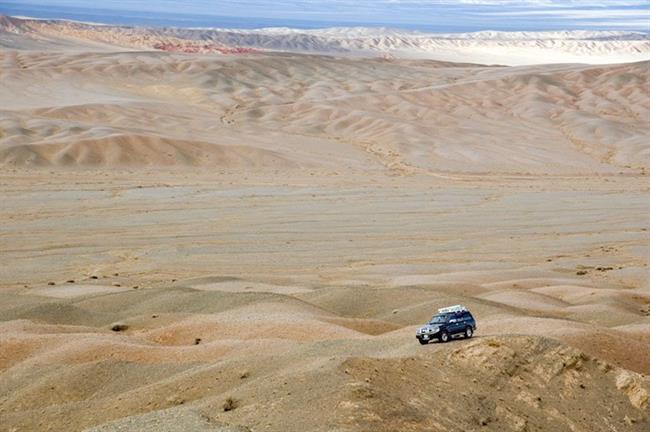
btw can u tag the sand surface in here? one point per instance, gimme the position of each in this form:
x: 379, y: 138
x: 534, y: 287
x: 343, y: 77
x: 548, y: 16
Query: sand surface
x: 266, y: 231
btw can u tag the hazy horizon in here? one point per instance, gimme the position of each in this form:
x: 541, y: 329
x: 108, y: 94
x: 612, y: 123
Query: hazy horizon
x: 437, y: 15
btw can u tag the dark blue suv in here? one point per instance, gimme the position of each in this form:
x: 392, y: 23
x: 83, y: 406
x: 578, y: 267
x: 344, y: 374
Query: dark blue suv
x: 447, y: 323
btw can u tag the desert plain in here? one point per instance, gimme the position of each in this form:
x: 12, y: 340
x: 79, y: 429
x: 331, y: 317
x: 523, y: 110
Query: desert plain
x: 247, y: 240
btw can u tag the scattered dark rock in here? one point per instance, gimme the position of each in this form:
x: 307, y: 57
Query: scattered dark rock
x: 51, y: 283
x: 244, y: 375
x: 197, y: 341
x: 230, y: 404
x: 154, y: 316
x: 118, y: 327
x: 70, y: 281
x: 94, y: 277
x: 582, y: 272
x: 116, y: 274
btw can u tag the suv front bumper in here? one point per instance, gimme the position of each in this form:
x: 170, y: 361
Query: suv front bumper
x: 427, y: 336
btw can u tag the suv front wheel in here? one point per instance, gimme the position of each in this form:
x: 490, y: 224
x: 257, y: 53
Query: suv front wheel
x: 444, y: 337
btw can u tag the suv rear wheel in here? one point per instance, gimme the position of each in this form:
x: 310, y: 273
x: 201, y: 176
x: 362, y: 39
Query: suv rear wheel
x: 444, y: 337
x: 469, y: 332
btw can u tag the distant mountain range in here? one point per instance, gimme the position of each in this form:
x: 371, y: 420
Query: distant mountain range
x: 489, y: 47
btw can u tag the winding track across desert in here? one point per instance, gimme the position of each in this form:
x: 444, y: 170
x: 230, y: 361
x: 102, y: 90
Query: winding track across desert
x: 246, y: 241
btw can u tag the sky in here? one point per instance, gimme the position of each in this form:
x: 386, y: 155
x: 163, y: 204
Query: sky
x: 426, y: 14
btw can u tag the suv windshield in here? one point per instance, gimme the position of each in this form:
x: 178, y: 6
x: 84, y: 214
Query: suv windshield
x: 439, y: 319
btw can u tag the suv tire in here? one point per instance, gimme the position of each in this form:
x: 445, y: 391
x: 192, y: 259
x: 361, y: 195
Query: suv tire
x: 469, y: 332
x: 423, y: 342
x: 444, y: 337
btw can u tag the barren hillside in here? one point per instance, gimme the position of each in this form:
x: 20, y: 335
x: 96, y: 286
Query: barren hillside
x: 200, y: 233
x: 287, y: 110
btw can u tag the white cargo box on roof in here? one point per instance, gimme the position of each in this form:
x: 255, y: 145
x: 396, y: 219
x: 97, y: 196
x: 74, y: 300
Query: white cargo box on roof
x: 452, y: 309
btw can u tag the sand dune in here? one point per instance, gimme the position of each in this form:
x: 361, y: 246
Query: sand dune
x: 404, y: 116
x: 200, y: 237
x: 134, y: 150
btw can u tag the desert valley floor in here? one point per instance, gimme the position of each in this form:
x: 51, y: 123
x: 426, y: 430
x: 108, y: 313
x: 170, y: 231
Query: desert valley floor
x: 247, y: 242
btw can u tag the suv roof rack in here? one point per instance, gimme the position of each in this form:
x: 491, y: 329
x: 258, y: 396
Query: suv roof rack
x: 452, y: 309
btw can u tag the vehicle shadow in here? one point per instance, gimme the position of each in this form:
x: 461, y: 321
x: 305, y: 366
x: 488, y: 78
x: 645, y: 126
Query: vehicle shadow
x: 451, y: 340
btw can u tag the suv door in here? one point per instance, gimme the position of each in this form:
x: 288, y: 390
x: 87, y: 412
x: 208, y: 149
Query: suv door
x: 469, y: 320
x: 456, y: 325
